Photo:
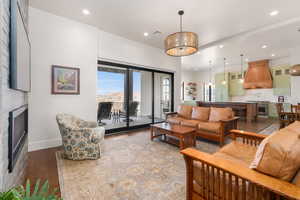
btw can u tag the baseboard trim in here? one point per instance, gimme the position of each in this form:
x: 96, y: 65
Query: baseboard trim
x: 44, y: 144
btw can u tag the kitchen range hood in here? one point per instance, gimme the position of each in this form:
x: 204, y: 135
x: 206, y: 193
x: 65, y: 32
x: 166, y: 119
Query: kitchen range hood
x: 258, y: 75
x: 295, y: 70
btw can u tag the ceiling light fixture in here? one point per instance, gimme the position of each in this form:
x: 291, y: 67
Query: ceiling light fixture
x: 146, y: 34
x: 221, y: 46
x: 181, y: 43
x: 274, y: 13
x: 224, y: 80
x: 264, y: 46
x: 247, y: 59
x: 86, y: 12
x: 273, y: 55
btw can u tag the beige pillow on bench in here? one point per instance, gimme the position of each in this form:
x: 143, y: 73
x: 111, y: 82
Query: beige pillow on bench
x: 278, y: 155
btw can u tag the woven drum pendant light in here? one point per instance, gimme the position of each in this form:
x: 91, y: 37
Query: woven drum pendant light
x: 181, y: 43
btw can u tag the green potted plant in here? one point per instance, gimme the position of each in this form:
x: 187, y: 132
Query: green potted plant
x: 40, y: 192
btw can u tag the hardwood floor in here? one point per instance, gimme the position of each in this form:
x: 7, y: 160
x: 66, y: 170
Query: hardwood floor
x: 42, y: 164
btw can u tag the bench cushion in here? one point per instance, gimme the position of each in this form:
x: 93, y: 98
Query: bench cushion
x: 175, y: 120
x: 200, y: 113
x: 185, y: 111
x: 191, y: 123
x: 218, y: 114
x: 279, y: 154
x: 238, y: 152
x: 209, y: 126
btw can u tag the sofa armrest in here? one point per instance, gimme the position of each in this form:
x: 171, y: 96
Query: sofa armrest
x: 248, y: 137
x: 168, y: 114
x: 238, y: 172
x: 230, y: 120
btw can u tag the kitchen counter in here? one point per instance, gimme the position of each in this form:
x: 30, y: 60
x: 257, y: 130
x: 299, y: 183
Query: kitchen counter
x: 246, y: 110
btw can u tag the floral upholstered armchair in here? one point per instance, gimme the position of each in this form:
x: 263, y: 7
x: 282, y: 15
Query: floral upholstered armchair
x: 81, y: 139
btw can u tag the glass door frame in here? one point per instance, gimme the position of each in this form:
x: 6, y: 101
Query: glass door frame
x: 132, y: 67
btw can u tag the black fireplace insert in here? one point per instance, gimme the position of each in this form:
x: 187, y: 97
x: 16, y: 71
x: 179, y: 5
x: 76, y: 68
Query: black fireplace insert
x: 18, y: 131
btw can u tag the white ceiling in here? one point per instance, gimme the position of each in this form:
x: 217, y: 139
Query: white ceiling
x: 242, y: 26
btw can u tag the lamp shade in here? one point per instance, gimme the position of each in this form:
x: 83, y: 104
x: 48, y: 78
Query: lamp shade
x: 181, y: 44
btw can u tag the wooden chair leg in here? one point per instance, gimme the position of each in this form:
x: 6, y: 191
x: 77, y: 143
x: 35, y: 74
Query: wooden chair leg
x: 189, y: 177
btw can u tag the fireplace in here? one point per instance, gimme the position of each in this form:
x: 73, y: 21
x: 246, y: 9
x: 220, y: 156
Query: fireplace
x: 18, y: 130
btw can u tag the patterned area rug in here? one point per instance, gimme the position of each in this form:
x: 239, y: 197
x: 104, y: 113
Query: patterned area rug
x: 131, y: 168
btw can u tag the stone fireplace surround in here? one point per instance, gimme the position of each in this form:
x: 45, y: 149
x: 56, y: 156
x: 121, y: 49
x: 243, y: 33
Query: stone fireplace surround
x: 9, y: 100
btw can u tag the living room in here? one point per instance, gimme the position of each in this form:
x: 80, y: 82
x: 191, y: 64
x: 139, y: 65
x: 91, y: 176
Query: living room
x: 90, y: 89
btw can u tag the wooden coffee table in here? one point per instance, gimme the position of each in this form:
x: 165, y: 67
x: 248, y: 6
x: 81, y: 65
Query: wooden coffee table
x: 186, y: 135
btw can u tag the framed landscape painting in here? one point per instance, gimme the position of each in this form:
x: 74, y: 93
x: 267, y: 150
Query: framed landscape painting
x: 65, y: 80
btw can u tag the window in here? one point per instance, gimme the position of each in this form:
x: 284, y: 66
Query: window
x: 132, y: 97
x: 278, y: 72
x: 209, y: 92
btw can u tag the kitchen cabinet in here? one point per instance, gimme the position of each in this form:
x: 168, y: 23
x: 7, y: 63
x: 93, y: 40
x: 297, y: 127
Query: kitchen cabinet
x: 281, y: 81
x: 221, y: 90
x: 236, y: 87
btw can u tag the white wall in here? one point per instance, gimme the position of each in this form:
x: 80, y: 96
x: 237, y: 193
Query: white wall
x: 60, y: 41
x: 199, y: 77
x: 118, y: 49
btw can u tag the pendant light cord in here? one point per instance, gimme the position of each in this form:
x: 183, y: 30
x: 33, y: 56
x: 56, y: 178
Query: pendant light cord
x: 180, y: 13
x: 224, y: 69
x: 242, y: 65
x: 210, y: 71
x: 180, y: 23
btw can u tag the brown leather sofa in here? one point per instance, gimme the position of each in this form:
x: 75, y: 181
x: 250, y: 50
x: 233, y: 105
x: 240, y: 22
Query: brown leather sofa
x: 211, y: 123
x: 253, y: 166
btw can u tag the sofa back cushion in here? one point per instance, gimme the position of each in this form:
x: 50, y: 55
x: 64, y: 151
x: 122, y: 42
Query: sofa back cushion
x: 278, y: 155
x: 185, y: 111
x: 218, y: 114
x: 200, y: 113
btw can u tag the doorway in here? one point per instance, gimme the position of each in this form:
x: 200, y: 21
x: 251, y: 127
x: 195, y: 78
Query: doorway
x: 132, y: 97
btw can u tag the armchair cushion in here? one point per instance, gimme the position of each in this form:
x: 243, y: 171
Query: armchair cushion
x: 279, y: 154
x: 210, y: 126
x: 219, y: 114
x: 185, y: 111
x: 200, y: 113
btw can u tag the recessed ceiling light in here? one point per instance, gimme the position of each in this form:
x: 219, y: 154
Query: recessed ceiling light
x: 221, y: 46
x: 146, y: 34
x: 227, y: 63
x: 274, y: 13
x: 264, y: 46
x: 86, y: 12
x: 273, y: 55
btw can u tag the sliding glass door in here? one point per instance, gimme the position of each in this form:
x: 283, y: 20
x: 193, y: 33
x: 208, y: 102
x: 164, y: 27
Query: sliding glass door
x: 138, y: 96
x: 111, y: 98
x: 140, y: 101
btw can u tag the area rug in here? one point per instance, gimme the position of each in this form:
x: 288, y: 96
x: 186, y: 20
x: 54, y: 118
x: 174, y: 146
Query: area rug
x: 131, y: 168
